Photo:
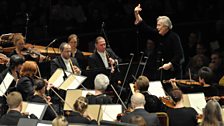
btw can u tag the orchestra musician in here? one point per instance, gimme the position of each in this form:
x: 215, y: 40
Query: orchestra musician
x: 180, y: 115
x: 103, y: 57
x: 13, y: 68
x: 65, y: 61
x: 169, y: 51
x: 40, y: 87
x: 137, y: 103
x: 101, y: 82
x: 153, y: 104
x: 60, y: 121
x: 212, y: 114
x: 25, y: 84
x: 73, y: 41
x: 14, y: 101
x: 23, y: 50
x: 80, y: 115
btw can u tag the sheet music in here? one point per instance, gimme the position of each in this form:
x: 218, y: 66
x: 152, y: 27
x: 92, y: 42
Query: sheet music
x: 36, y: 108
x: 197, y: 101
x: 6, y: 83
x: 110, y: 112
x: 156, y: 88
x: 42, y: 124
x: 58, y: 77
x: 85, y: 92
x: 72, y: 82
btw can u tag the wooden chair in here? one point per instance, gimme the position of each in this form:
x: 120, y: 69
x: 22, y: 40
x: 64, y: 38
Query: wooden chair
x: 163, y: 118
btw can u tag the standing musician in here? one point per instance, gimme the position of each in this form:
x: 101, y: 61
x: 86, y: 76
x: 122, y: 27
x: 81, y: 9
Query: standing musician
x: 65, y: 61
x: 25, y: 84
x: 73, y: 41
x: 168, y: 46
x: 40, y: 97
x: 153, y: 104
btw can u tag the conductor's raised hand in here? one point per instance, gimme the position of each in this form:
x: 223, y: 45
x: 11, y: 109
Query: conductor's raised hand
x: 138, y: 18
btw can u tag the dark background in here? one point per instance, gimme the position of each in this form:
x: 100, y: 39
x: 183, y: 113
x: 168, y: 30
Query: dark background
x: 50, y: 19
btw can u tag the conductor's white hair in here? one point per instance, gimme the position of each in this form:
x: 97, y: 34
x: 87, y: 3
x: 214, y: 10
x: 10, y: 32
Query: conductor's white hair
x: 101, y: 82
x: 166, y: 21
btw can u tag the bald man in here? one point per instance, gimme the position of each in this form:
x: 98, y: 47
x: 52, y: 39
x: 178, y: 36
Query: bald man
x: 137, y: 103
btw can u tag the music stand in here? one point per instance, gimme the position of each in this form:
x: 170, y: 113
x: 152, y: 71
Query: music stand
x: 72, y: 82
x: 72, y: 95
x: 38, y: 109
x: 6, y: 83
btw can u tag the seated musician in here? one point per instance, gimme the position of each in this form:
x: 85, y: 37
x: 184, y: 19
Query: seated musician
x: 180, y: 115
x: 102, y: 57
x: 60, y: 121
x: 137, y: 103
x: 65, y: 61
x: 205, y: 77
x: 101, y: 82
x: 73, y: 41
x: 212, y: 114
x: 40, y: 97
x: 25, y: 84
x: 14, y: 66
x: 14, y: 101
x: 153, y: 104
x: 22, y: 50
x: 80, y: 115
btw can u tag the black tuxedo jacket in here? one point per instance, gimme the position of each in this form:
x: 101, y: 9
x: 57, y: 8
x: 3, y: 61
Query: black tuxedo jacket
x: 96, y: 62
x: 59, y: 63
x: 150, y: 118
x: 76, y: 117
x: 11, y: 118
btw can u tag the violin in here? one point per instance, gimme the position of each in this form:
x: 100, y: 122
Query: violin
x: 187, y: 82
x: 3, y: 59
x: 217, y: 98
x: 168, y: 101
x: 128, y: 110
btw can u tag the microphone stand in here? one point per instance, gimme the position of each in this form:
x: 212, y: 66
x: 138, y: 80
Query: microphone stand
x: 26, y: 27
x: 46, y: 48
x: 142, y: 53
x: 132, y: 56
x: 146, y: 59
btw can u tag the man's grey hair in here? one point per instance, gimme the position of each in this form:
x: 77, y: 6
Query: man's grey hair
x: 138, y: 99
x: 101, y: 82
x: 166, y: 21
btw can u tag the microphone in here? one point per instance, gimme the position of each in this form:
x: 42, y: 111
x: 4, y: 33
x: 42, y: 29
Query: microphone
x: 103, y: 24
x: 27, y: 17
x: 52, y: 42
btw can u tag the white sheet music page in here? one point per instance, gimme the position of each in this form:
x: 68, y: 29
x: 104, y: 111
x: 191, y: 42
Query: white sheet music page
x: 110, y: 112
x: 85, y: 92
x: 78, y: 80
x: 156, y: 88
x: 57, y: 78
x: 6, y: 83
x: 197, y: 101
x: 42, y: 124
x: 36, y: 109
